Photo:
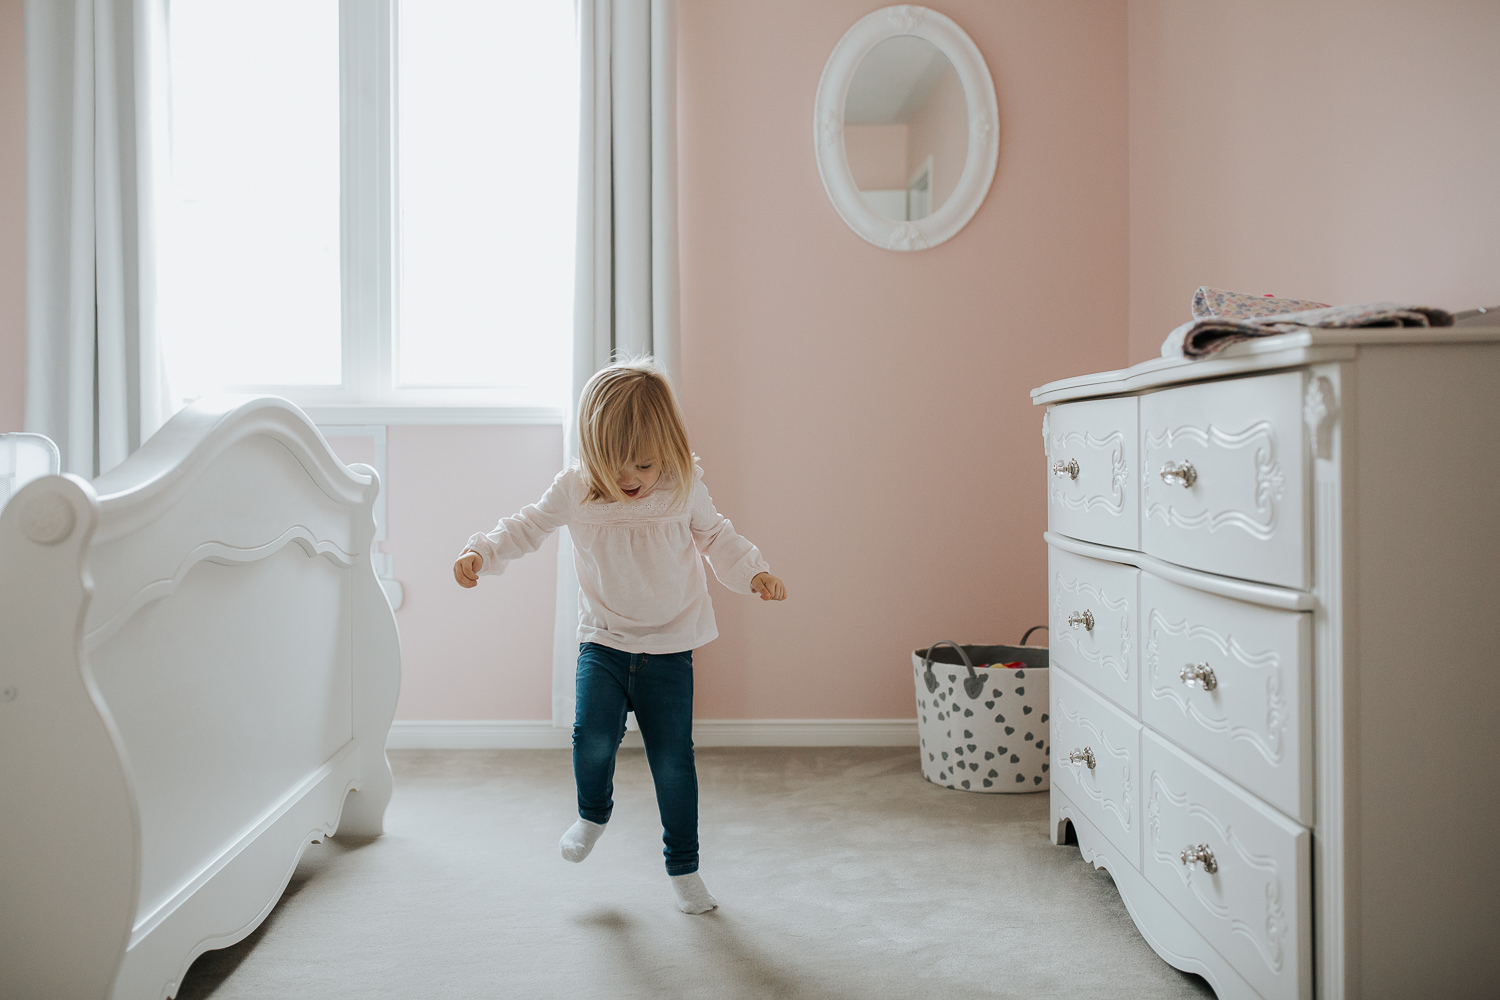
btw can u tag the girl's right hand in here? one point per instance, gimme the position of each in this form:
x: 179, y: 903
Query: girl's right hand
x: 466, y: 569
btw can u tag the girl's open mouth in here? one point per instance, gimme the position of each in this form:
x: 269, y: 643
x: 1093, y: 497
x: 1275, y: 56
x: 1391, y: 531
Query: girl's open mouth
x: 632, y: 492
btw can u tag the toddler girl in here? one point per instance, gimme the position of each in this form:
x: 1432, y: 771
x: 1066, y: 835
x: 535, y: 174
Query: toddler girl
x: 640, y: 517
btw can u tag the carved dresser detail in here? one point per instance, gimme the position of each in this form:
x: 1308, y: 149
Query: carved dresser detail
x: 1274, y: 593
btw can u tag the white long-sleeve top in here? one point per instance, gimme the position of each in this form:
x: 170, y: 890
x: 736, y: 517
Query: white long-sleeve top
x: 642, y: 588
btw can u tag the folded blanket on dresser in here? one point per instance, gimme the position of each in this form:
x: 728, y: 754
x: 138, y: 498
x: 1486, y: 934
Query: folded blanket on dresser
x: 1222, y: 318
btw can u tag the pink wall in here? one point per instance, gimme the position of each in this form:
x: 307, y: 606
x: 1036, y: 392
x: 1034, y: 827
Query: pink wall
x: 862, y: 414
x: 467, y: 654
x: 1341, y: 151
x: 484, y: 653
x: 12, y: 214
x: 940, y: 129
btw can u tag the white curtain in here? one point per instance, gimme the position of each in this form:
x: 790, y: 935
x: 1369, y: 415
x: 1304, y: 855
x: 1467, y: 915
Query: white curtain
x: 626, y: 292
x: 95, y: 131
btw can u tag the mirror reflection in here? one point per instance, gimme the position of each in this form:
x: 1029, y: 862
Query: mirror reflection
x: 906, y: 128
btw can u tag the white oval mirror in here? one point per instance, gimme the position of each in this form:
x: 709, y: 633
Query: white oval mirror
x: 906, y: 128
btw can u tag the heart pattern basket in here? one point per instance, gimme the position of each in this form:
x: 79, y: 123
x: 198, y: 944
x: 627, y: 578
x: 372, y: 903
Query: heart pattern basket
x: 982, y: 716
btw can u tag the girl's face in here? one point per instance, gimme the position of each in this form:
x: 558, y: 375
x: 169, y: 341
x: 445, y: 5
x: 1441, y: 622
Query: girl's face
x: 638, y: 478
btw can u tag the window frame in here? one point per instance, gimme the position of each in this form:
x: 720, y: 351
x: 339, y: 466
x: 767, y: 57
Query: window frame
x: 369, y: 257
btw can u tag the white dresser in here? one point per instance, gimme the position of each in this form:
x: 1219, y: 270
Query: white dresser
x: 1274, y: 589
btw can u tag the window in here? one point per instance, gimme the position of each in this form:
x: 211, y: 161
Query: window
x: 370, y: 205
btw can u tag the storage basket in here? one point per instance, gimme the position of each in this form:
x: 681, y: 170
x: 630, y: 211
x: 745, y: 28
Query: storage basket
x: 983, y: 728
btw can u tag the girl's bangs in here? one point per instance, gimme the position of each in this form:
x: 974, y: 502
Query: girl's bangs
x: 627, y: 422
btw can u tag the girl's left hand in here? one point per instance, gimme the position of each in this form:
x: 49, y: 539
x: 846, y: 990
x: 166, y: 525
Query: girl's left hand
x: 768, y: 587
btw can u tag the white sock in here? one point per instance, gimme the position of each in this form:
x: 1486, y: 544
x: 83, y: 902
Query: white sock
x: 692, y: 895
x: 579, y: 840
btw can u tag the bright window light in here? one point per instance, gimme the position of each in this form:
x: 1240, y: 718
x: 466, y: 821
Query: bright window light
x: 250, y: 231
x: 487, y: 129
x: 458, y: 289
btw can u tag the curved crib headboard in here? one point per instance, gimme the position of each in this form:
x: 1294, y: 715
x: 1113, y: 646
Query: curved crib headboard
x: 199, y: 665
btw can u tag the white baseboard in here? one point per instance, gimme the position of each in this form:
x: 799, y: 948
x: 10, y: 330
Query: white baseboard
x: 512, y: 735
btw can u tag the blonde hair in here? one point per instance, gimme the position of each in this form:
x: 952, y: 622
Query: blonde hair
x: 628, y: 412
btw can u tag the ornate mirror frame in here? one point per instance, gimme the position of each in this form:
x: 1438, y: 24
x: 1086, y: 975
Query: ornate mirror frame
x: 984, y: 127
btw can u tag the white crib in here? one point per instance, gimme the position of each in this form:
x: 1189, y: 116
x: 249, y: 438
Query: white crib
x: 198, y: 670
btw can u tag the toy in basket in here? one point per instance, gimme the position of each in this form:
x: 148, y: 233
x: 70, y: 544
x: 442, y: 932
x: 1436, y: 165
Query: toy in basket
x: 982, y: 716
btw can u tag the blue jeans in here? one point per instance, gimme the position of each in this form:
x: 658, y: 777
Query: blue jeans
x: 658, y: 688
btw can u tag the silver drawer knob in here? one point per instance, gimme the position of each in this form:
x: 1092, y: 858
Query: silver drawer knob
x: 1179, y: 474
x: 1084, y: 756
x: 1199, y: 673
x: 1084, y: 618
x: 1200, y: 855
x: 1068, y: 469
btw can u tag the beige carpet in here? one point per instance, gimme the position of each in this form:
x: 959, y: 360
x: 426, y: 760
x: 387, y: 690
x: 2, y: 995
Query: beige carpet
x: 840, y: 874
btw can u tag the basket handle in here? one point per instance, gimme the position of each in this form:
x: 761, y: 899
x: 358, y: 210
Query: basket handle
x: 1031, y: 630
x: 973, y: 686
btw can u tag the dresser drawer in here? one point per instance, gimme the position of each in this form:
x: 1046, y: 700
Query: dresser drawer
x: 1093, y: 625
x: 1105, y: 784
x: 1232, y: 683
x: 1093, y: 490
x: 1223, y: 482
x: 1255, y: 907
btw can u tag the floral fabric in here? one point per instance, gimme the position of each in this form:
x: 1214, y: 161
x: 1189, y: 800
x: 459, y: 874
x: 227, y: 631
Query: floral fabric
x: 1209, y: 302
